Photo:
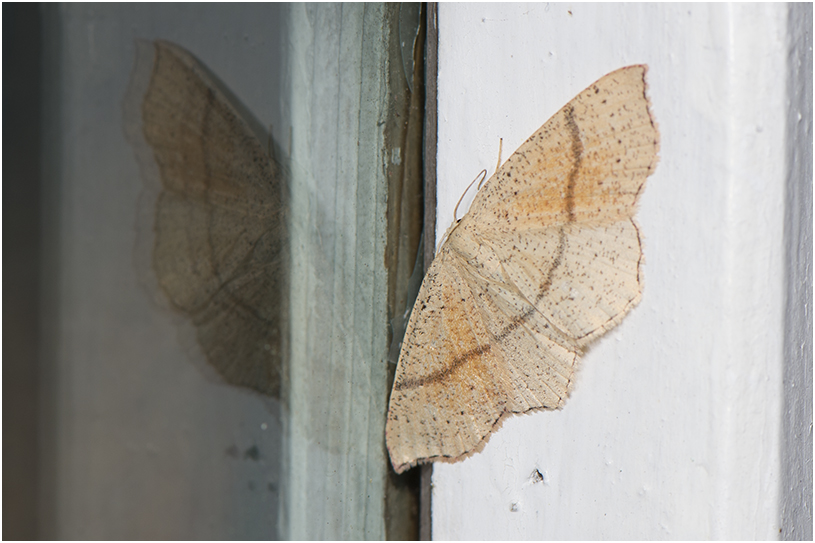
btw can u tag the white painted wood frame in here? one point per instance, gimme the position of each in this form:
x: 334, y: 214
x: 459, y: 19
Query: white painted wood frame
x: 674, y: 430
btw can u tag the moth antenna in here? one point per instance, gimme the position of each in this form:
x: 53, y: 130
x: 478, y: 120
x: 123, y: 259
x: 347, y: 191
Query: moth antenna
x: 483, y: 175
x: 500, y: 148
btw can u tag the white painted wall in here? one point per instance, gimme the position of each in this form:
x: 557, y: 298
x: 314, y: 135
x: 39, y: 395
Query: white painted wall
x: 674, y: 428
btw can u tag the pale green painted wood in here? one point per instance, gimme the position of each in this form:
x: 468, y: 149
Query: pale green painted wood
x: 338, y: 370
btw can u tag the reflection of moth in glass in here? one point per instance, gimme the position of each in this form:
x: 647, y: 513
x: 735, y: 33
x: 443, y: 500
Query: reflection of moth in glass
x: 546, y: 260
x: 220, y: 252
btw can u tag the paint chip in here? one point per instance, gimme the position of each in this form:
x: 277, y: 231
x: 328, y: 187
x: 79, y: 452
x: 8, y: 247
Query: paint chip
x: 547, y: 259
x: 536, y: 477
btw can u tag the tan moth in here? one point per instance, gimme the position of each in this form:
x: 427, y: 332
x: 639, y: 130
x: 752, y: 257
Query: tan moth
x: 219, y: 247
x: 546, y: 260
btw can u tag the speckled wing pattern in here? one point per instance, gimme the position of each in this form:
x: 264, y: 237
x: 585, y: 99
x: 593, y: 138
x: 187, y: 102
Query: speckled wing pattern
x: 547, y: 259
x: 220, y: 244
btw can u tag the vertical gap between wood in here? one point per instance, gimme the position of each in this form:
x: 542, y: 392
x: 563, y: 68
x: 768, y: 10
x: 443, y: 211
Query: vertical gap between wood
x: 431, y: 132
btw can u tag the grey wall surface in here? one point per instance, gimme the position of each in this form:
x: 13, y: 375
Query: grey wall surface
x: 796, y: 481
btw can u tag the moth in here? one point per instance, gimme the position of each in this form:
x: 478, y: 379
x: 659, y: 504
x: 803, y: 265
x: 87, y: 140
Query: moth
x: 220, y: 242
x: 547, y: 259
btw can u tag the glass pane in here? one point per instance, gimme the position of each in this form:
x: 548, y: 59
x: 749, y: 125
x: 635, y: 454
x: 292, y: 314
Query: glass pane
x: 230, y: 219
